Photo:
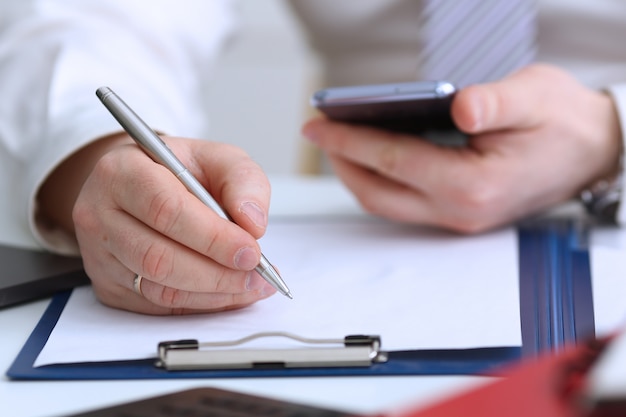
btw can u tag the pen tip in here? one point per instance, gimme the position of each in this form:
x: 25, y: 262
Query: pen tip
x: 289, y: 295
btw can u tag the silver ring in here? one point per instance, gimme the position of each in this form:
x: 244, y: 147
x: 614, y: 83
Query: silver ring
x: 137, y: 284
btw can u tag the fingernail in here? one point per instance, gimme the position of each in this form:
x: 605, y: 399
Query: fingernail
x: 246, y: 258
x: 254, y: 282
x: 254, y: 213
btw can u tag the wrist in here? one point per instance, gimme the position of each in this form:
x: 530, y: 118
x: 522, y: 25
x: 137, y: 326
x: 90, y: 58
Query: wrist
x: 59, y: 191
x: 602, y: 196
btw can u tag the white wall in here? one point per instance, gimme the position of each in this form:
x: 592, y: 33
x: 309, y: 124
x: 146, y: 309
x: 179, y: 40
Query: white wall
x: 259, y: 97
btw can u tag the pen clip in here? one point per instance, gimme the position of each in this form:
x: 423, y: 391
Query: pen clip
x: 350, y: 351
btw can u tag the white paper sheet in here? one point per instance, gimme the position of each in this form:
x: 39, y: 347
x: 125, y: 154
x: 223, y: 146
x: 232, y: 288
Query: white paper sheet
x: 607, y: 380
x: 608, y: 272
x: 417, y: 289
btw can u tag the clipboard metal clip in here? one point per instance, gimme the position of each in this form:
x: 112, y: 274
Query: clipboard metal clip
x: 351, y: 351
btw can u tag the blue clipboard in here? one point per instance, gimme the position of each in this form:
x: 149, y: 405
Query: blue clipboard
x: 556, y: 309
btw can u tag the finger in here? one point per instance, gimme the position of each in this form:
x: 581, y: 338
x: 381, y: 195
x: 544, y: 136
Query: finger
x: 235, y: 180
x: 158, y: 300
x: 113, y: 283
x: 181, y: 300
x: 119, y: 301
x: 405, y: 159
x: 166, y: 262
x: 381, y: 196
x: 465, y: 208
x: 457, y: 185
x: 153, y: 195
x: 511, y: 103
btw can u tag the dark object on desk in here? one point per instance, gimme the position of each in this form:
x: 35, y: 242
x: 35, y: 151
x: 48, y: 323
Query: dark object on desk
x: 211, y: 402
x: 27, y: 274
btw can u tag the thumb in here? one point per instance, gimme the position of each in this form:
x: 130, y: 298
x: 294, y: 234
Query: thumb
x: 511, y: 103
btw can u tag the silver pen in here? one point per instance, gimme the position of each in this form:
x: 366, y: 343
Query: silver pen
x: 156, y: 149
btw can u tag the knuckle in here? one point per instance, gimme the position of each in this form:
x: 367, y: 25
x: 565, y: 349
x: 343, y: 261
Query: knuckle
x: 476, y: 198
x: 84, y: 217
x: 165, y: 209
x: 388, y: 159
x: 337, y: 139
x: 85, y: 213
x: 157, y: 262
x: 478, y: 204
x: 496, y: 103
x: 231, y: 149
x: 173, y: 297
x: 106, y: 166
x: 235, y: 154
x: 212, y: 242
x: 239, y: 152
x: 225, y: 281
x: 241, y: 172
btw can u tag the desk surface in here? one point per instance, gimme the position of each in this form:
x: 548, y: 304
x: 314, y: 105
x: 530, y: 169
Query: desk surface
x: 356, y: 394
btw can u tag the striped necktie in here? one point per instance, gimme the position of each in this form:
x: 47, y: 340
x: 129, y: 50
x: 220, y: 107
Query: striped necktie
x: 470, y: 41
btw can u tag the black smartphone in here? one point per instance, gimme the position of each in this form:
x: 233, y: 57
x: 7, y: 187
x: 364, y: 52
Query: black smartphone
x: 411, y: 107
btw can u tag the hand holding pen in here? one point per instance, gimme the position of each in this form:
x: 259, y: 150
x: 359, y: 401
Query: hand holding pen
x: 134, y: 217
x: 156, y: 149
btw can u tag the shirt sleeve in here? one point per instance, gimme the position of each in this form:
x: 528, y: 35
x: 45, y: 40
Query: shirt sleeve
x: 54, y: 54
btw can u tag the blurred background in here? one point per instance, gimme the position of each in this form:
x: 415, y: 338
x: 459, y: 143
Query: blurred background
x: 259, y: 97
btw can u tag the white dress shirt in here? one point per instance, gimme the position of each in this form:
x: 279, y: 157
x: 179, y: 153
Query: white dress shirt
x: 159, y: 56
x: 54, y: 54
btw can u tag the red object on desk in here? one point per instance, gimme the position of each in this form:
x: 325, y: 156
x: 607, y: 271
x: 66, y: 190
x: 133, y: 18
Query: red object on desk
x: 550, y: 386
